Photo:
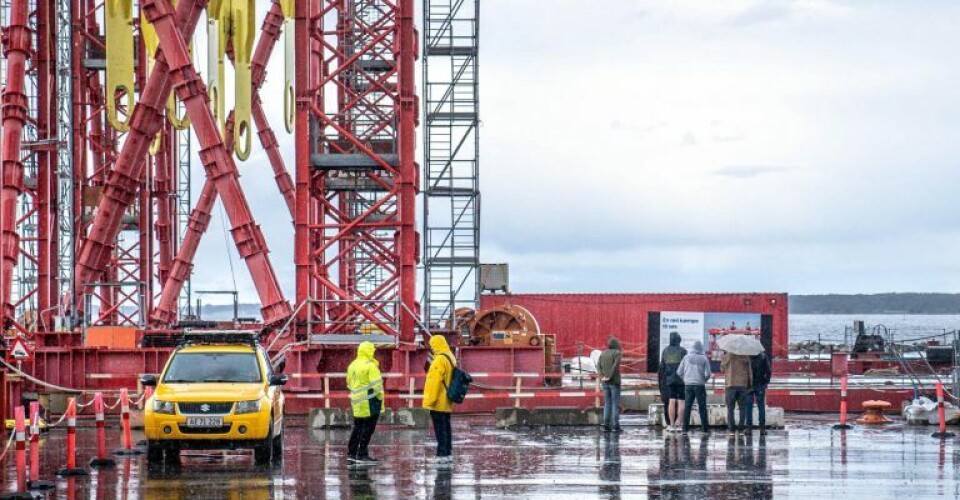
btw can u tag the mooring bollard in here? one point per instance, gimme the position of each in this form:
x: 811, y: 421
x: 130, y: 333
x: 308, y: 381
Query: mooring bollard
x: 35, y: 483
x: 941, y: 414
x: 71, y: 469
x: 843, y: 405
x: 128, y: 448
x: 101, y: 461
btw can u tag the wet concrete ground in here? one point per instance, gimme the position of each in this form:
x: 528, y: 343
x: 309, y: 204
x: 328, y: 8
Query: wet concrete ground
x: 808, y: 459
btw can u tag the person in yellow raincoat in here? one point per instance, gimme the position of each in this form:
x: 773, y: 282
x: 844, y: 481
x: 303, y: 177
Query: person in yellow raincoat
x: 366, y: 400
x: 435, y: 395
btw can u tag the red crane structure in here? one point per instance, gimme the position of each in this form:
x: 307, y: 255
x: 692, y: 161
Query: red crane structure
x: 101, y: 106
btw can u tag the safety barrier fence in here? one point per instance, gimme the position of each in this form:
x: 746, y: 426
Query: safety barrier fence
x: 516, y: 392
x: 28, y: 476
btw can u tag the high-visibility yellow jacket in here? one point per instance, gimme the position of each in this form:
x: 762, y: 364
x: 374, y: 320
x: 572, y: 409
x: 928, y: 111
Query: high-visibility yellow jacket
x: 365, y: 383
x: 439, y: 376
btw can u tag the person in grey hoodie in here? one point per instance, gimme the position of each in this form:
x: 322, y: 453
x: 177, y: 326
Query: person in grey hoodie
x: 608, y: 367
x: 695, y: 371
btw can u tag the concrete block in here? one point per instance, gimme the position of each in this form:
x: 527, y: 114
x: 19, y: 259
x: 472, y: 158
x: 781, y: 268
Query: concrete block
x: 717, y: 413
x: 516, y: 417
x: 325, y: 418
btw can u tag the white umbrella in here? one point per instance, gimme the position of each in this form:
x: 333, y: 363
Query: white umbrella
x: 746, y: 345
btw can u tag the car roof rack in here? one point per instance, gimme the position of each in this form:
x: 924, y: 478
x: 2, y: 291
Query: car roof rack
x: 221, y: 337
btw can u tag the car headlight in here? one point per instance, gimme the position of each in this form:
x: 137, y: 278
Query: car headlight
x: 248, y: 406
x: 163, y: 407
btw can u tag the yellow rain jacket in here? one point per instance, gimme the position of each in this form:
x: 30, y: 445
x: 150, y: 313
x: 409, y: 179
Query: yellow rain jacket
x: 439, y: 376
x: 365, y: 383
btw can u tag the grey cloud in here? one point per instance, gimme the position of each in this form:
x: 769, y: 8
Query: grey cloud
x: 761, y: 13
x: 748, y: 171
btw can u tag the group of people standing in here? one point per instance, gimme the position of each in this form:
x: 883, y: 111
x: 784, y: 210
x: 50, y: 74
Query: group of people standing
x: 683, y: 380
x: 683, y: 377
x: 365, y: 384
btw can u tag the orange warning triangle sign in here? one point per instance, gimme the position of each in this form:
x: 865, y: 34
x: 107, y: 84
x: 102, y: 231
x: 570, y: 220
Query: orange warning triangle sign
x: 19, y: 351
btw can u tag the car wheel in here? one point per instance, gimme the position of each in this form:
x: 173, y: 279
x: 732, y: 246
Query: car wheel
x: 263, y: 452
x: 278, y: 446
x: 154, y: 453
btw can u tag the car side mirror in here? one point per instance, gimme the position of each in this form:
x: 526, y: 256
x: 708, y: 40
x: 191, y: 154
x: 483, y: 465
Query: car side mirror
x: 279, y: 379
x: 148, y: 380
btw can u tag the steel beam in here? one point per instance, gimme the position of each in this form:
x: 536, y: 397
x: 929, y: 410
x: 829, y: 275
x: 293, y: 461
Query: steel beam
x: 16, y: 45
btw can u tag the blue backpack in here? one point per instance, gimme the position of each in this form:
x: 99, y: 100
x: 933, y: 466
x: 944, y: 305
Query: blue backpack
x: 459, y: 383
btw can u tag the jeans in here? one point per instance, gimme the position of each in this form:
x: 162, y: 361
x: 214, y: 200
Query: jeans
x: 441, y: 428
x: 738, y: 396
x: 698, y: 393
x: 611, y: 406
x: 363, y: 429
x: 758, y: 396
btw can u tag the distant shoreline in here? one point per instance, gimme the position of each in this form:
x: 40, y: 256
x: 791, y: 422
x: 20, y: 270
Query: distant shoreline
x: 903, y: 304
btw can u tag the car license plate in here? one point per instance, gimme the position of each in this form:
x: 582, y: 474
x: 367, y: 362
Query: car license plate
x: 205, y: 422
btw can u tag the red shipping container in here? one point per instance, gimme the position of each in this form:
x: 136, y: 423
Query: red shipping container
x: 590, y: 319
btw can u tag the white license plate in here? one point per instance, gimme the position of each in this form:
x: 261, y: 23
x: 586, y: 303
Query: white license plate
x: 205, y: 422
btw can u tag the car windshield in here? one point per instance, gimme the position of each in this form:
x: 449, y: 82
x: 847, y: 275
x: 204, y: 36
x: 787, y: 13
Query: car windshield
x: 211, y: 367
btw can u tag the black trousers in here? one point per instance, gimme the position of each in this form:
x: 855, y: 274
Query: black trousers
x: 363, y: 429
x: 441, y: 428
x: 696, y: 393
x: 736, y: 396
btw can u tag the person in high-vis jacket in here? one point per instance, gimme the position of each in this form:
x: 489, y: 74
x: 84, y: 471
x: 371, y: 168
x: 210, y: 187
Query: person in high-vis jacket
x: 435, y: 396
x: 366, y: 400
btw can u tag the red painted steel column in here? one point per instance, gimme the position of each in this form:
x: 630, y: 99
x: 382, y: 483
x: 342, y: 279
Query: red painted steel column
x: 16, y: 43
x: 303, y: 88
x: 218, y: 161
x: 408, y: 239
x: 46, y: 203
x: 122, y: 181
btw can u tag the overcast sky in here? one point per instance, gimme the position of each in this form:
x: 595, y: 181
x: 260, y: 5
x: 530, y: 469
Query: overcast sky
x: 801, y: 146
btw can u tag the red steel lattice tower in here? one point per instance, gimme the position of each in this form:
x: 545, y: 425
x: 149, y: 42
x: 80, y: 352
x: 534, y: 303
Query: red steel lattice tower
x: 356, y: 176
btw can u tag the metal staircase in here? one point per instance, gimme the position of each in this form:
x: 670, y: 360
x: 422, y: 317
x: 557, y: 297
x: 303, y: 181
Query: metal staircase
x: 451, y: 234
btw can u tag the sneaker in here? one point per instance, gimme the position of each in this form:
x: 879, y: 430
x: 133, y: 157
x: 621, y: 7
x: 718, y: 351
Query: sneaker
x: 617, y: 429
x: 686, y: 431
x: 443, y: 460
x: 668, y: 428
x: 367, y: 460
x: 352, y: 459
x: 606, y: 428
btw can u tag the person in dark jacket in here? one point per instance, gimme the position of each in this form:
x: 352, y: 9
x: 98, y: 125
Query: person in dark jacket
x: 760, y: 366
x: 671, y: 386
x: 608, y: 368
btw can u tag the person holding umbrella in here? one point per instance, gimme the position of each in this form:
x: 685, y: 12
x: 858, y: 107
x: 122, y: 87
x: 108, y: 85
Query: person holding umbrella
x: 738, y: 373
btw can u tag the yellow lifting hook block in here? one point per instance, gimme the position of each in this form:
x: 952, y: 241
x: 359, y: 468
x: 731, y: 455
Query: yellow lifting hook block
x: 289, y: 40
x: 119, y: 20
x: 243, y: 26
x: 218, y: 22
x: 151, y: 43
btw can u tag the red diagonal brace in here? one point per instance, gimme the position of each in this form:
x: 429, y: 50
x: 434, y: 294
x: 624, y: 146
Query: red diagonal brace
x: 16, y: 44
x: 121, y: 183
x: 216, y: 159
x: 166, y: 309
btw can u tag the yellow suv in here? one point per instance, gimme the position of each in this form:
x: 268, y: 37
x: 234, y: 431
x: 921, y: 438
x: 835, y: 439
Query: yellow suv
x: 217, y: 391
